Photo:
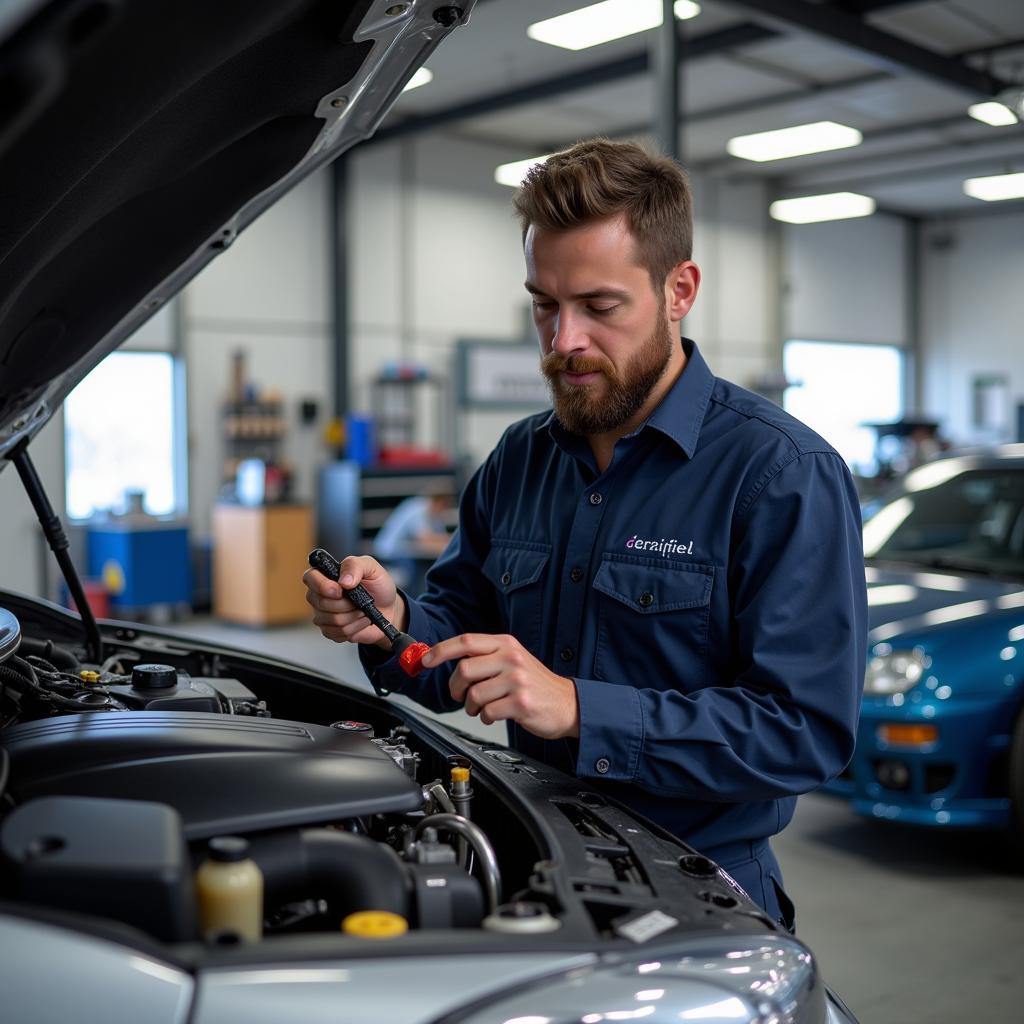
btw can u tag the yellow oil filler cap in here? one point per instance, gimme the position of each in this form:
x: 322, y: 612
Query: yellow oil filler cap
x: 460, y: 775
x: 374, y: 924
x: 88, y: 676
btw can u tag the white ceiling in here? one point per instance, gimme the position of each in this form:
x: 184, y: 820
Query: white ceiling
x: 772, y: 83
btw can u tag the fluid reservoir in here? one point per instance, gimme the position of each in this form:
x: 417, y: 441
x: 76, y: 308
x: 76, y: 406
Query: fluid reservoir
x: 229, y: 887
x: 524, y: 917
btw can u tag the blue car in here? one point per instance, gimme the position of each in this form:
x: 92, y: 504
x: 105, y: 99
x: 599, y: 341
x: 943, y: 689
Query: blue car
x: 941, y: 736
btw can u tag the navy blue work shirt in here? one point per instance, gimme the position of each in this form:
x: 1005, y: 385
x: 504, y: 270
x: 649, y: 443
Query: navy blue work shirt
x: 705, y: 593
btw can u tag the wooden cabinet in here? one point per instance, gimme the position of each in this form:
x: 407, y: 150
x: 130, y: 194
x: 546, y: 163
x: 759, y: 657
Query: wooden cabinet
x: 259, y: 556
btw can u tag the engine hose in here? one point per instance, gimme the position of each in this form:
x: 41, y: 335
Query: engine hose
x: 440, y: 797
x: 18, y: 680
x: 477, y: 839
x: 50, y: 652
x: 22, y: 666
x: 351, y: 872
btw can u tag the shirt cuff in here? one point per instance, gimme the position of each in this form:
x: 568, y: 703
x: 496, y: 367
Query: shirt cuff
x: 611, y: 731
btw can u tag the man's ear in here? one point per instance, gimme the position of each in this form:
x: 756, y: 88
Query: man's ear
x: 681, y: 287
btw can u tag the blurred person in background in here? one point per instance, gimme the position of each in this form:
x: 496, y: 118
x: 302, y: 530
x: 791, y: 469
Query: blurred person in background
x: 414, y: 534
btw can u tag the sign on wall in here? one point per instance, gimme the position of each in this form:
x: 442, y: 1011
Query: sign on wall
x: 500, y: 375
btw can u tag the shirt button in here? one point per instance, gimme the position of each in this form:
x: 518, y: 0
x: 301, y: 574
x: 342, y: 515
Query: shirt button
x: 576, y: 574
x: 646, y: 599
x: 602, y: 766
x: 506, y: 578
x: 595, y: 498
x: 567, y: 654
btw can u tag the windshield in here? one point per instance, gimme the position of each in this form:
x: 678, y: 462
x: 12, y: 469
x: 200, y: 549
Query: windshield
x: 966, y: 519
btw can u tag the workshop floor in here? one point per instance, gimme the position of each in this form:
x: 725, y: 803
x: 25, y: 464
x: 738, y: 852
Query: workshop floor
x: 909, y: 926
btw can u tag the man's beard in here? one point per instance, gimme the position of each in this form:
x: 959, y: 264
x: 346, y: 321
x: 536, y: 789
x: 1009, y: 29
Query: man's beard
x: 583, y: 408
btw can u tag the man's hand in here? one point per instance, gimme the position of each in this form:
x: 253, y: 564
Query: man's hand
x: 338, y: 618
x: 499, y: 679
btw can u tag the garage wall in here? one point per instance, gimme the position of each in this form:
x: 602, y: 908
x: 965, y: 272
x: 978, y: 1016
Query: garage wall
x: 972, y: 315
x: 269, y: 295
x: 846, y: 280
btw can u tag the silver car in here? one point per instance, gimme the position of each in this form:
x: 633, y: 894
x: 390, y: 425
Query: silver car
x: 409, y: 872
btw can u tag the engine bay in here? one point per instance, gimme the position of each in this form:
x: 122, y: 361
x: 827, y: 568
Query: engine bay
x: 120, y: 778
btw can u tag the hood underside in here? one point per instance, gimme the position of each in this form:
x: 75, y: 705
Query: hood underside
x: 137, y: 137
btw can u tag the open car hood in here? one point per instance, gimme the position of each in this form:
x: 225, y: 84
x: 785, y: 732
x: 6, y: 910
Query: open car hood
x: 138, y: 137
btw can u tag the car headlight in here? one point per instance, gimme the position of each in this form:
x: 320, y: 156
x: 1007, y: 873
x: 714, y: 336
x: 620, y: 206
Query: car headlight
x: 894, y: 671
x: 739, y: 980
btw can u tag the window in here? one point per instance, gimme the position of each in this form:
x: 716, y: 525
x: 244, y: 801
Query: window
x: 120, y: 434
x: 837, y: 388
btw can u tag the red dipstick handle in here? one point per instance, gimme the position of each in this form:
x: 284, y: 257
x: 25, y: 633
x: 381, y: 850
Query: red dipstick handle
x: 411, y: 659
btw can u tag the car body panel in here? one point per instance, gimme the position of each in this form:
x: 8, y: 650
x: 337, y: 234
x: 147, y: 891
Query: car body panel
x: 54, y: 973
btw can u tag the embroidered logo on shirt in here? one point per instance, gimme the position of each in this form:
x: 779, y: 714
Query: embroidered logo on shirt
x: 663, y: 547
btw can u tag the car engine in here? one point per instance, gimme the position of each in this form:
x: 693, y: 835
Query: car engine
x: 117, y: 776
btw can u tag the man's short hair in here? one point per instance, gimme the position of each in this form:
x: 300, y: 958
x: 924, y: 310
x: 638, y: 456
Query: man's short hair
x: 599, y: 178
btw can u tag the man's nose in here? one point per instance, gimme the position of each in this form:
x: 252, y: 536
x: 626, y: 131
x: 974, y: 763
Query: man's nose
x: 569, y: 335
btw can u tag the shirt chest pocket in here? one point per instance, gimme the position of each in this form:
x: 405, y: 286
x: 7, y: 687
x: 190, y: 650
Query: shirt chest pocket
x: 653, y: 620
x: 516, y: 570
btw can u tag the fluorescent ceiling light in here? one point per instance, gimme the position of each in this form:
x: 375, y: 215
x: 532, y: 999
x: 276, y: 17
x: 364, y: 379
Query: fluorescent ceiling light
x: 799, y: 140
x: 812, y: 209
x: 993, y: 113
x: 512, y: 174
x: 996, y: 187
x: 603, y: 22
x: 422, y: 77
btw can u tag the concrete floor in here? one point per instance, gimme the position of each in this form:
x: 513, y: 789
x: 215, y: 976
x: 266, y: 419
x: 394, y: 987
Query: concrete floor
x: 909, y: 926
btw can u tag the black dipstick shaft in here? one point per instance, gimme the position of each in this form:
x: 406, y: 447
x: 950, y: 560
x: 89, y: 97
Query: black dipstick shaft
x: 409, y: 651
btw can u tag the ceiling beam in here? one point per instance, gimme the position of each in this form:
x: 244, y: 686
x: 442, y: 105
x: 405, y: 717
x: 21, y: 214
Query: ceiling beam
x: 548, y: 88
x: 890, y: 51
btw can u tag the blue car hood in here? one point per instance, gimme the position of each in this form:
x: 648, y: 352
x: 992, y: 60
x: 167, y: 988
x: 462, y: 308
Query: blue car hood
x: 899, y: 596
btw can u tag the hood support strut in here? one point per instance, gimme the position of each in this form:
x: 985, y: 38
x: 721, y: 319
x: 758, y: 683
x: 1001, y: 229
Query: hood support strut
x: 58, y: 541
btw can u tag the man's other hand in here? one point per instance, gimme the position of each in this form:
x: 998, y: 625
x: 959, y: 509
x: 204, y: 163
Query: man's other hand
x: 338, y: 618
x: 498, y: 679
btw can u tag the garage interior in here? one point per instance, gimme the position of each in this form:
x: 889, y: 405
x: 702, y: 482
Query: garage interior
x: 336, y: 360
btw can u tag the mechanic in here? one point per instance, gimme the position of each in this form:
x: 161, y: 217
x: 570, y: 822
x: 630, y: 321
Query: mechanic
x: 659, y: 584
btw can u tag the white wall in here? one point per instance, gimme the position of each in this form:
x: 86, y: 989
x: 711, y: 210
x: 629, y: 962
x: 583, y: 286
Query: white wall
x: 735, y: 319
x: 972, y: 314
x: 269, y: 295
x: 846, y: 280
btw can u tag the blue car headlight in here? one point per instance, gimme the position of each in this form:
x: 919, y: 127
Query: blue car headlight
x: 890, y: 671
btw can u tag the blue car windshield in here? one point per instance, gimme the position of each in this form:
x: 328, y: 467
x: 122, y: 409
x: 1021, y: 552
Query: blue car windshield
x: 972, y: 521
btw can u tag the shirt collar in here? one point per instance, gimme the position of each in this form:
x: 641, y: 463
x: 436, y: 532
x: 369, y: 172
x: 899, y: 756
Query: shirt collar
x: 680, y: 413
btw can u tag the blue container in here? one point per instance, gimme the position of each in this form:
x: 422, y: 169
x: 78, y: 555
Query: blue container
x: 361, y: 445
x: 141, y: 563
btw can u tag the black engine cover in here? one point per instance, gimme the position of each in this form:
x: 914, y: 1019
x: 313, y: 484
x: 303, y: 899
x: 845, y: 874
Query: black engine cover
x: 222, y: 774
